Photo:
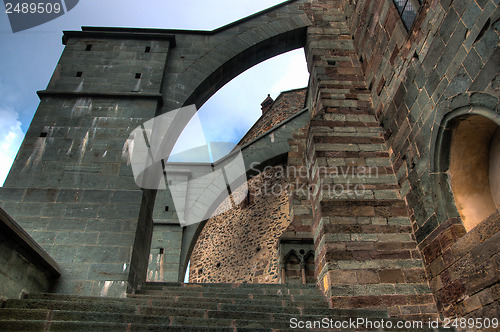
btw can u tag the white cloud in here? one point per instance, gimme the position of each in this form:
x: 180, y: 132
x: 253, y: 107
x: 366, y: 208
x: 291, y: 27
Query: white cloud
x: 11, y: 137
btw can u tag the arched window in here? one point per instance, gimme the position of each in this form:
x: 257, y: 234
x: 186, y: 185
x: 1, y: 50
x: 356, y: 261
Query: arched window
x: 474, y: 168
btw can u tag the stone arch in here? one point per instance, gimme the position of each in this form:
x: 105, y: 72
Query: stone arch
x: 206, y: 60
x: 297, y: 264
x: 309, y: 267
x: 203, y: 61
x: 449, y: 115
x: 292, y: 267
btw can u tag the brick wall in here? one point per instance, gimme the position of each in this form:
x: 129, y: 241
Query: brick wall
x: 448, y: 61
x: 366, y: 255
x: 463, y: 268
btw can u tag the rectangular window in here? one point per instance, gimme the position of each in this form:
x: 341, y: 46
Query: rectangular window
x: 408, y: 9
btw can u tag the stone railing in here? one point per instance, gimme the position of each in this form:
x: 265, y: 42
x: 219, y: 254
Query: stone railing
x: 24, y: 266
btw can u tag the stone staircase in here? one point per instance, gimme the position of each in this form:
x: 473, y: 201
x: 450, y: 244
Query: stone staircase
x: 179, y: 307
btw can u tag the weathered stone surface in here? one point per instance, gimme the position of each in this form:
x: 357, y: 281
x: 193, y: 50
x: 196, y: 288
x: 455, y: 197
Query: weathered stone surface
x: 381, y: 98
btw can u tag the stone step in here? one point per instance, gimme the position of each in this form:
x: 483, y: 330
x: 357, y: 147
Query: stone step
x: 127, y: 308
x: 233, y: 311
x: 235, y: 296
x: 81, y: 316
x: 78, y: 326
x: 236, y: 290
x: 39, y: 325
x: 185, y: 301
x: 255, y: 288
x: 88, y: 316
x: 178, y: 307
x: 216, y: 319
x: 228, y: 285
x: 59, y: 318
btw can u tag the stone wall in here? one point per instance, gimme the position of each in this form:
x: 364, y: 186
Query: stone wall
x: 446, y: 66
x: 164, y: 254
x: 450, y: 50
x: 24, y: 267
x: 463, y: 268
x: 71, y: 186
x: 241, y: 244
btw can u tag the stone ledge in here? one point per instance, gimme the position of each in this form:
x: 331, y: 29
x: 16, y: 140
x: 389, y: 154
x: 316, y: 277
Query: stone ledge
x: 12, y: 234
x: 141, y: 95
x: 108, y: 33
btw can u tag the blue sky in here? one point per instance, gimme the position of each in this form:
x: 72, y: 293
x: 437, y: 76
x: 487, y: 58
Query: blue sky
x: 28, y: 58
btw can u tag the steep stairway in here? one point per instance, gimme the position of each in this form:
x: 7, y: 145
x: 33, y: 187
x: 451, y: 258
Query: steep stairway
x: 179, y: 307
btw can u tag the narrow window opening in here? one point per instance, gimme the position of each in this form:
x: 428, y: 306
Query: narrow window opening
x: 138, y: 75
x: 88, y: 48
x: 79, y: 74
x: 43, y: 134
x: 148, y: 49
x: 162, y: 251
x: 407, y: 11
x: 166, y: 208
